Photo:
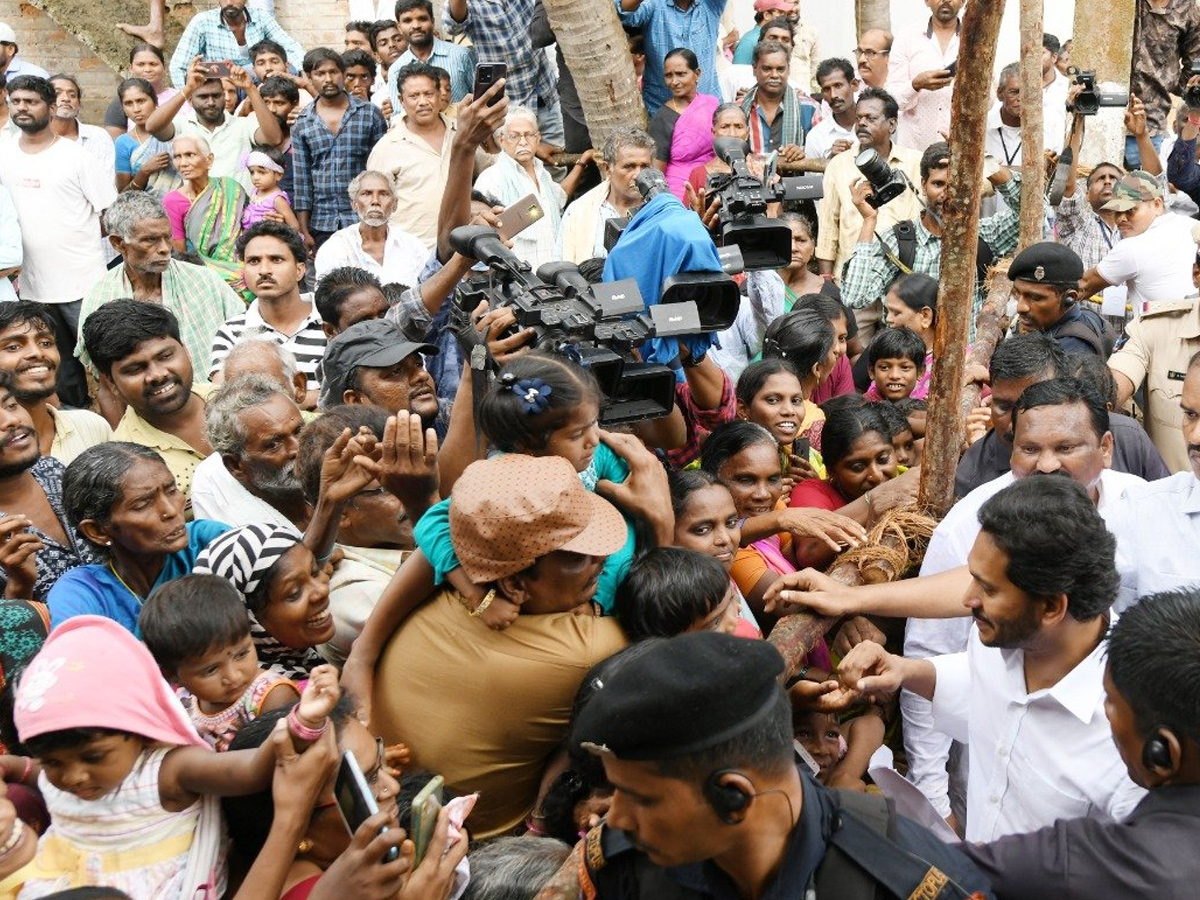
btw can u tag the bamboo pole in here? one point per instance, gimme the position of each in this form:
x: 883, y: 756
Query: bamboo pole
x: 1033, y: 165
x: 960, y: 235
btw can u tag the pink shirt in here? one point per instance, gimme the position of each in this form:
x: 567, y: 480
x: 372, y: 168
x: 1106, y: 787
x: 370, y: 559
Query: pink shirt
x: 923, y: 114
x: 177, y: 206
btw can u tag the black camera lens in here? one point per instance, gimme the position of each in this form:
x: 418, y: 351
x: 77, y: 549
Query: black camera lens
x: 873, y: 168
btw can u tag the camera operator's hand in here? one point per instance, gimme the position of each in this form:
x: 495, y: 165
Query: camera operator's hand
x: 707, y: 209
x: 859, y: 192
x: 1135, y: 117
x: 791, y: 153
x: 933, y: 80
x: 494, y: 323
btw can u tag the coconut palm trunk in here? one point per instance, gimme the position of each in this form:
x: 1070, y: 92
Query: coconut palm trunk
x: 873, y: 14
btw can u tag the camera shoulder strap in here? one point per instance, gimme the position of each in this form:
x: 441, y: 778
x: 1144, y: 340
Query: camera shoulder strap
x: 905, y: 234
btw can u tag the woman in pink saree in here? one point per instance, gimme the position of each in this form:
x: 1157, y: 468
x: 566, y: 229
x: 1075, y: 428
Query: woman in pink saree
x: 682, y: 128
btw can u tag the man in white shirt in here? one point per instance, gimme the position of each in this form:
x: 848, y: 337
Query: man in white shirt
x: 1027, y: 695
x: 253, y: 426
x: 834, y: 133
x: 1155, y: 254
x: 918, y: 76
x: 10, y: 64
x: 94, y: 139
x: 626, y: 153
x: 388, y: 252
x: 59, y: 192
x: 1054, y: 96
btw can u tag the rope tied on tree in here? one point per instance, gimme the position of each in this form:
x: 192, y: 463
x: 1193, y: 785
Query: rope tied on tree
x: 894, y: 545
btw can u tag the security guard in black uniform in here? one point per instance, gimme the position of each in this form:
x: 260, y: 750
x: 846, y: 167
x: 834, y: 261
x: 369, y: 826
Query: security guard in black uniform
x: 696, y: 739
x: 1045, y: 279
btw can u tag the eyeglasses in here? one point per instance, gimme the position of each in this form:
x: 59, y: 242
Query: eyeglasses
x: 870, y: 54
x: 524, y: 137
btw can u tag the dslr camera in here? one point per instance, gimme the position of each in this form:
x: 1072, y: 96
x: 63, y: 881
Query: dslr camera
x: 1089, y: 101
x: 764, y: 243
x: 886, y: 183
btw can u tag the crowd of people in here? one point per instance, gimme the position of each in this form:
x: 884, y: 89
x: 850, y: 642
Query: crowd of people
x: 328, y: 572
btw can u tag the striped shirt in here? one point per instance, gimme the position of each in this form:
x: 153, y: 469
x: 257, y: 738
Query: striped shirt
x: 500, y: 32
x: 307, y: 344
x: 208, y: 37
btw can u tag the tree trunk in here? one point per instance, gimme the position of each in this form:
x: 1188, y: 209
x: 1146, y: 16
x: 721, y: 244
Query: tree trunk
x: 969, y: 109
x: 873, y: 14
x: 597, y: 51
x: 1033, y: 167
x: 1103, y: 42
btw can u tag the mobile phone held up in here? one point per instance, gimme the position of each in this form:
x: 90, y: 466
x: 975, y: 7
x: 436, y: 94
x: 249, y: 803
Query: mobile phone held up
x: 220, y: 69
x: 487, y: 74
x: 952, y: 68
x: 355, y: 800
x: 520, y: 216
x: 425, y: 808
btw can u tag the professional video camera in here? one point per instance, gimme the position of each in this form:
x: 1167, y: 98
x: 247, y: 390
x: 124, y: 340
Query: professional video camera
x: 1089, y: 101
x: 886, y: 183
x: 765, y: 243
x: 597, y: 325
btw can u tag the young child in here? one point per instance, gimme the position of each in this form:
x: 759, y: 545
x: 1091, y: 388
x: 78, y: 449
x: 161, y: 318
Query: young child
x: 198, y: 631
x: 266, y: 168
x: 895, y: 360
x: 820, y: 734
x: 670, y: 591
x: 131, y: 787
x: 771, y: 394
x: 903, y: 439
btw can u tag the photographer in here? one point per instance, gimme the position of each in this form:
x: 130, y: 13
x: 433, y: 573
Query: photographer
x: 878, y: 259
x: 1182, y: 169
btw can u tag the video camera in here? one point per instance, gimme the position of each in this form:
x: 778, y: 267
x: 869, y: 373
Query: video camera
x: 1089, y: 101
x: 596, y: 325
x: 765, y: 243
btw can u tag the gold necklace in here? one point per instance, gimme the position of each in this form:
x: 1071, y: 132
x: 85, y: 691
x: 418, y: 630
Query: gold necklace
x: 117, y: 575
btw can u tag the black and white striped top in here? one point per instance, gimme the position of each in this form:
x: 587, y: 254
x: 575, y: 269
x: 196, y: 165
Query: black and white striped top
x: 307, y: 344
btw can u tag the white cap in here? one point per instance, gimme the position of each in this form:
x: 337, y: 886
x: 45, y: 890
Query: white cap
x: 7, y: 35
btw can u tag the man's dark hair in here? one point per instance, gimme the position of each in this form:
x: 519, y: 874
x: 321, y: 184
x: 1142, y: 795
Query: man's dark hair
x: 403, y: 6
x: 442, y: 75
x: 285, y: 233
x: 765, y: 48
x: 1026, y: 355
x: 338, y: 284
x: 764, y: 747
x: 415, y: 70
x: 359, y: 57
x: 777, y: 23
x: 897, y: 343
x: 1154, y: 661
x: 1094, y: 371
x: 40, y: 86
x: 378, y: 28
x: 1100, y: 166
x: 1056, y: 543
x: 318, y: 55
x: 667, y: 591
x: 1050, y: 42
x: 63, y: 76
x: 190, y: 616
x: 361, y: 26
x: 266, y: 45
x: 935, y: 157
x: 891, y: 109
x: 835, y: 64
x: 1062, y: 391
x: 115, y: 329
x: 279, y: 86
x: 25, y: 312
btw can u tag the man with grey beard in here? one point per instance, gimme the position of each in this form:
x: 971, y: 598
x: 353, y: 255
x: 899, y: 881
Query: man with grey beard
x: 389, y: 253
x: 253, y: 425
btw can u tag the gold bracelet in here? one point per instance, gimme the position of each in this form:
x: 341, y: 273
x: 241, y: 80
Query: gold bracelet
x: 484, y: 603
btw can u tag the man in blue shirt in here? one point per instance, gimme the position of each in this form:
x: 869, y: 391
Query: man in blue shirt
x: 667, y: 24
x: 415, y: 21
x: 228, y: 33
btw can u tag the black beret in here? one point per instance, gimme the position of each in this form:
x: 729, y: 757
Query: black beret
x: 684, y: 695
x: 1047, y: 263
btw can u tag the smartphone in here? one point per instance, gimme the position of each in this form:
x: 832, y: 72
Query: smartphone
x: 220, y: 69
x: 355, y: 800
x: 487, y: 74
x: 520, y: 216
x: 952, y: 68
x: 425, y: 808
x: 800, y: 447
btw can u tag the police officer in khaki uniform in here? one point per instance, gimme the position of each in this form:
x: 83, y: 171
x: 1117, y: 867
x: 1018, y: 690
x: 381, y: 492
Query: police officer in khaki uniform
x: 695, y: 733
x: 1161, y: 341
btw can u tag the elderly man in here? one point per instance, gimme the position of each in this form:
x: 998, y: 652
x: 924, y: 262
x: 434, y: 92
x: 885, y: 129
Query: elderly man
x: 387, y: 251
x: 139, y: 231
x: 227, y: 33
x: 30, y: 357
x: 874, y: 48
x: 518, y: 173
x: 253, y: 425
x: 135, y: 347
x: 919, y: 78
x: 94, y: 139
x: 1155, y: 256
x: 777, y: 118
x: 59, y: 192
x: 260, y: 356
x: 627, y: 151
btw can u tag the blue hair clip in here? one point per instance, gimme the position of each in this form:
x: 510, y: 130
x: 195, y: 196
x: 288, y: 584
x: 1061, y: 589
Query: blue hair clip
x: 534, y: 394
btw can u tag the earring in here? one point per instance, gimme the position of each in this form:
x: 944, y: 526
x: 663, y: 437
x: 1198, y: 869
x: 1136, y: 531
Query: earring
x: 303, y: 847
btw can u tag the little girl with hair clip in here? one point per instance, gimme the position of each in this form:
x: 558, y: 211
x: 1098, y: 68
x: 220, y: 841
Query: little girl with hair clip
x: 267, y: 199
x: 131, y: 788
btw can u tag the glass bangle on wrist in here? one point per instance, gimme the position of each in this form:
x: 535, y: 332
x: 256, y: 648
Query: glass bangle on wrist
x: 303, y: 732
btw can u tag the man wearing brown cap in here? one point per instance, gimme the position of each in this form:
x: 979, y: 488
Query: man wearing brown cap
x: 1155, y: 254
x: 487, y: 708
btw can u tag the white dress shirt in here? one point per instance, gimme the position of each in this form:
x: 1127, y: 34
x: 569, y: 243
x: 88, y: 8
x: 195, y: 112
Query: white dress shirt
x: 820, y: 140
x: 217, y: 495
x: 404, y: 255
x: 1158, y: 537
x: 927, y: 747
x: 1034, y: 757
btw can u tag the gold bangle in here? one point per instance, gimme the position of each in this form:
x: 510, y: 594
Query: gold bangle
x: 484, y: 603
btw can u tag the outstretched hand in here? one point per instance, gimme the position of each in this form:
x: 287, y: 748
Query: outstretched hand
x: 342, y: 475
x: 406, y: 461
x: 809, y: 590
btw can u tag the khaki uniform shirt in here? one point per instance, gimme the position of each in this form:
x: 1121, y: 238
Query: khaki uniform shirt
x: 1161, y: 341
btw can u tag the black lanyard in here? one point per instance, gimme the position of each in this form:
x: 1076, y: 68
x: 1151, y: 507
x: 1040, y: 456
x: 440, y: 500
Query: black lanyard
x: 1105, y: 232
x: 1008, y: 157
